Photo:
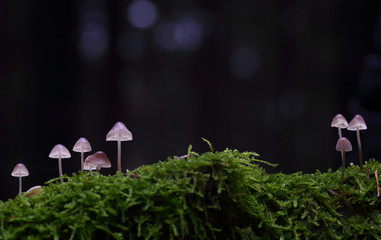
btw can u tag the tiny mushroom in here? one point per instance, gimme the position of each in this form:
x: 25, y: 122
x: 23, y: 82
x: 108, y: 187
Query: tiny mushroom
x: 34, y: 191
x: 97, y: 161
x: 20, y: 171
x: 82, y: 146
x: 59, y: 151
x: 357, y: 124
x: 343, y: 145
x: 119, y: 132
x: 340, y: 122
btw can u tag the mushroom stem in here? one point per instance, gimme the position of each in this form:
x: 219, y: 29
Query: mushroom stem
x: 340, y: 134
x: 359, y: 145
x: 82, y: 161
x: 377, y: 183
x: 60, y: 168
x: 343, y: 168
x: 20, y: 185
x: 119, y: 156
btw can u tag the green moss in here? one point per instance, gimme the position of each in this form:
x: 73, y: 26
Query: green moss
x: 216, y: 195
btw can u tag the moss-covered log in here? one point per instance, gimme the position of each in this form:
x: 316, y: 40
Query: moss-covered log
x: 216, y: 195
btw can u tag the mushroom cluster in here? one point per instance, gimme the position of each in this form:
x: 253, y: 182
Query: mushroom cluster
x: 343, y: 144
x: 96, y: 161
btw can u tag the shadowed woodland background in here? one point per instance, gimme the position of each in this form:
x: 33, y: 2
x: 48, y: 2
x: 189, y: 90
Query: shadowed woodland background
x: 263, y: 76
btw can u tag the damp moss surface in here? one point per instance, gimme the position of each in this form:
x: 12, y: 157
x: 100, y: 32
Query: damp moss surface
x: 215, y: 195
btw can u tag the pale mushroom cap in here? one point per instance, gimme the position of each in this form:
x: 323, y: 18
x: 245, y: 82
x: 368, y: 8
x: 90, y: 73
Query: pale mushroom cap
x: 82, y: 145
x: 34, y: 191
x: 98, y: 159
x: 119, y: 132
x: 59, y: 150
x: 357, y: 123
x: 343, y: 144
x: 339, y: 121
x: 34, y: 188
x: 20, y: 171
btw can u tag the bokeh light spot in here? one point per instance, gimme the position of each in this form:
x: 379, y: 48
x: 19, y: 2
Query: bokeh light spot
x: 142, y: 14
x: 185, y: 34
x: 93, y: 40
x: 243, y: 62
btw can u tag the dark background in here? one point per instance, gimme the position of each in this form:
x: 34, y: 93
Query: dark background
x: 260, y: 75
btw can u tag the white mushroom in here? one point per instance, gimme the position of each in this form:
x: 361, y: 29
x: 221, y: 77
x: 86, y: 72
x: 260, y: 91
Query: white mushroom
x: 119, y: 132
x: 82, y: 146
x: 357, y: 124
x: 20, y: 171
x: 343, y: 145
x: 340, y: 122
x: 34, y: 191
x: 97, y: 161
x: 59, y: 151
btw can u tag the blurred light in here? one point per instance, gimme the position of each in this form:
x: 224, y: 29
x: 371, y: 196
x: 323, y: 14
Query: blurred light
x: 130, y: 46
x: 142, y: 14
x: 243, y: 62
x: 93, y: 40
x: 292, y: 104
x: 294, y: 19
x: 185, y: 34
x: 372, y: 61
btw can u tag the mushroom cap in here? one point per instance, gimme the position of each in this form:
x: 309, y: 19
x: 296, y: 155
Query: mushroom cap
x: 343, y: 144
x: 357, y: 123
x: 34, y: 190
x: 339, y: 121
x: 20, y: 171
x: 98, y: 159
x: 119, y: 132
x: 82, y: 145
x: 58, y: 151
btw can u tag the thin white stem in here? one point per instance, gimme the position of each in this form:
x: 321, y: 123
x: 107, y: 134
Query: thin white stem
x: 359, y: 145
x: 343, y: 168
x: 60, y: 168
x: 119, y: 156
x: 340, y: 134
x: 20, y: 185
x: 82, y: 161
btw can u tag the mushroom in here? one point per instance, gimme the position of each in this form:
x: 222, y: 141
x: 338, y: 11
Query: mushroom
x: 119, y: 133
x: 97, y: 161
x: 59, y: 151
x: 343, y: 145
x: 357, y: 124
x: 20, y: 171
x: 340, y: 122
x: 82, y: 146
x: 34, y: 190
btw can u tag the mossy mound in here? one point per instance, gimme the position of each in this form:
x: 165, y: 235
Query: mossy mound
x: 216, y: 195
